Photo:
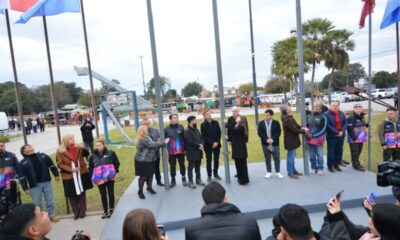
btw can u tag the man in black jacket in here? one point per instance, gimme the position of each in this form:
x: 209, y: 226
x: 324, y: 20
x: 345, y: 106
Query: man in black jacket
x: 269, y: 131
x: 35, y: 179
x: 194, y: 146
x: 220, y: 219
x: 357, y: 135
x: 231, y: 123
x: 87, y: 135
x: 211, y: 132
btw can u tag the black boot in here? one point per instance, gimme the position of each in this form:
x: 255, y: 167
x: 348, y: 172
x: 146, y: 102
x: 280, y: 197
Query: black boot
x: 141, y: 184
x: 184, y: 182
x: 173, y: 183
x: 149, y: 185
x: 199, y: 182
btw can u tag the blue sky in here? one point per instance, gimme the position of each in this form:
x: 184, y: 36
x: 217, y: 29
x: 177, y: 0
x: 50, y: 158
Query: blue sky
x: 118, y: 35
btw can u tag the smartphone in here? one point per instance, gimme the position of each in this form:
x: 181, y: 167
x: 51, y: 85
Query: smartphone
x: 339, y: 195
x: 371, y: 197
x: 161, y: 230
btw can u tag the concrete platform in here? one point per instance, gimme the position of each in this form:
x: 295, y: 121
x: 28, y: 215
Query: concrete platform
x: 261, y: 198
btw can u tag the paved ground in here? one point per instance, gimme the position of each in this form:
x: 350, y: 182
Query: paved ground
x: 261, y: 198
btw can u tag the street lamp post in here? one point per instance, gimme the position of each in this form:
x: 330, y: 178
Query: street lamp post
x: 144, y: 83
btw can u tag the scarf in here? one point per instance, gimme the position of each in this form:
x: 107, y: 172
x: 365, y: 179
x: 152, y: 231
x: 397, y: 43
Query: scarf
x: 72, y: 152
x: 338, y: 123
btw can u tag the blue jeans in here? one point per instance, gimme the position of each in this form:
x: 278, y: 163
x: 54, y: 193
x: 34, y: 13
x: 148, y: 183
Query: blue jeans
x: 335, y: 150
x: 316, y: 156
x: 291, y: 169
x: 46, y: 189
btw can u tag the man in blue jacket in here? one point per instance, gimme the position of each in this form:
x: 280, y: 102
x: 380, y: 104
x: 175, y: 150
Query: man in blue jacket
x: 35, y: 178
x: 335, y: 134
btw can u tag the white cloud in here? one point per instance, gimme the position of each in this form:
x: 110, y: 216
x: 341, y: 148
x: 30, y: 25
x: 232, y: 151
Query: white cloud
x: 118, y: 34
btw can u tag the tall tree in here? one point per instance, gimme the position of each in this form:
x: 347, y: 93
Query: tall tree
x: 345, y: 77
x: 284, y: 55
x: 246, y: 88
x: 192, y: 89
x: 383, y: 79
x: 337, y: 57
x: 165, y: 84
x: 277, y: 85
x: 315, y: 32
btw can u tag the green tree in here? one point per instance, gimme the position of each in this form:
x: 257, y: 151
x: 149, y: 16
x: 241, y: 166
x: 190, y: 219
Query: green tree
x: 277, y: 85
x: 165, y: 84
x: 315, y: 32
x: 8, y: 102
x: 343, y: 78
x: 192, y: 89
x: 43, y: 96
x: 383, y: 79
x: 337, y: 57
x: 246, y: 88
x: 171, y: 94
x: 285, y: 64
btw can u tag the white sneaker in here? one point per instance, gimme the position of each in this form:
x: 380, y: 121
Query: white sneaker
x: 268, y: 175
x: 320, y: 172
x: 279, y: 175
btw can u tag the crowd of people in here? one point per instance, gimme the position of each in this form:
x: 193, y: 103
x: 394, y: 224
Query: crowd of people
x: 31, y: 125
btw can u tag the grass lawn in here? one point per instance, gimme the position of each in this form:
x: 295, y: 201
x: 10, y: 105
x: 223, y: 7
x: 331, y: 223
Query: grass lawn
x: 126, y: 155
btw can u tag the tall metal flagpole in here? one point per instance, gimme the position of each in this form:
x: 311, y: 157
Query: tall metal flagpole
x: 52, y: 93
x: 144, y: 83
x: 90, y: 70
x: 369, y: 87
x: 398, y: 68
x: 221, y: 90
x: 253, y: 60
x: 301, y: 83
x: 16, y: 87
x: 157, y: 86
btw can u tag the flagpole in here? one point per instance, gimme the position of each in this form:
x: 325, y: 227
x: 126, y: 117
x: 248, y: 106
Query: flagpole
x: 52, y: 93
x: 90, y: 70
x: 221, y: 90
x: 253, y: 60
x: 369, y: 87
x: 301, y: 83
x: 16, y: 87
x: 157, y: 87
x: 398, y: 68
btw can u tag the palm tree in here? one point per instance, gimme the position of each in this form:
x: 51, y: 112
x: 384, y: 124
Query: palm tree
x: 337, y: 57
x: 165, y: 84
x: 315, y: 33
x: 284, y: 55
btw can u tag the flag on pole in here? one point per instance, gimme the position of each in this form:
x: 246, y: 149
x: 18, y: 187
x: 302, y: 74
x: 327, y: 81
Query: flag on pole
x: 4, y: 4
x: 368, y: 8
x: 392, y: 13
x: 34, y: 8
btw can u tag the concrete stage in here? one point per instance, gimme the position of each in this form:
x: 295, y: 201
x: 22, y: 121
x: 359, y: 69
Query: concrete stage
x: 261, y: 198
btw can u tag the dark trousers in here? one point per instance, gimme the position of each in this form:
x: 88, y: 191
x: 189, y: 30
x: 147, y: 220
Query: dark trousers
x: 209, y: 156
x: 107, y: 189
x: 241, y: 168
x: 355, y: 149
x: 42, y: 128
x: 78, y: 204
x: 196, y: 166
x: 390, y: 154
x: 275, y: 154
x: 335, y: 151
x: 157, y: 172
x: 172, y: 164
x: 89, y: 146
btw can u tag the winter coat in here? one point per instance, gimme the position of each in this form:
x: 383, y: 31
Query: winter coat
x: 222, y: 221
x: 211, y: 132
x: 27, y: 174
x: 238, y: 141
x: 103, y: 167
x: 356, y: 130
x: 86, y: 131
x: 64, y: 162
x: 176, y: 143
x: 291, y: 130
x: 331, y: 131
x: 146, y: 150
x: 275, y: 132
x: 193, y: 140
x: 317, y: 123
x: 8, y: 168
x: 232, y: 123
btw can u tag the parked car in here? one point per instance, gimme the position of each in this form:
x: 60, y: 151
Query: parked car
x: 338, y: 97
x: 381, y: 93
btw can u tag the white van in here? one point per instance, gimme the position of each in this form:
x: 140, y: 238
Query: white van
x: 3, y: 121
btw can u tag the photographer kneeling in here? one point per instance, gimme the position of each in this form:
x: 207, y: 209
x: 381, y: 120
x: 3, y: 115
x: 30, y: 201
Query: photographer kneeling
x: 384, y: 223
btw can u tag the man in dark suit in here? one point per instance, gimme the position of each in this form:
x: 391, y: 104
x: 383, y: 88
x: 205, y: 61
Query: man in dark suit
x: 269, y: 131
x: 211, y: 132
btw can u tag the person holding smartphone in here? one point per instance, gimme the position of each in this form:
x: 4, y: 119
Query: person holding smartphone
x: 140, y: 224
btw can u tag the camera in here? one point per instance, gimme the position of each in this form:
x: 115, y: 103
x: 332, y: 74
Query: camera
x: 389, y: 174
x: 10, y: 197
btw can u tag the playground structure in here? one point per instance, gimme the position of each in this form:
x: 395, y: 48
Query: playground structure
x: 117, y: 103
